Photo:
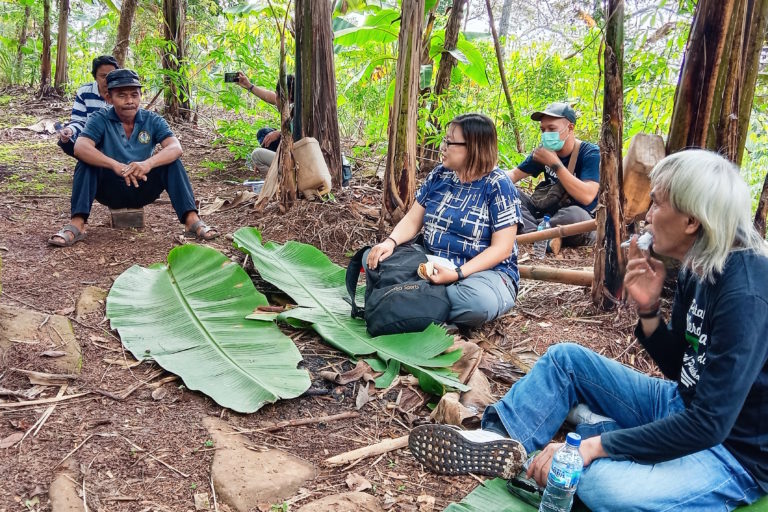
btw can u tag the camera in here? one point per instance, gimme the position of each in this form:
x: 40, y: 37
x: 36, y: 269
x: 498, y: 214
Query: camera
x: 230, y: 77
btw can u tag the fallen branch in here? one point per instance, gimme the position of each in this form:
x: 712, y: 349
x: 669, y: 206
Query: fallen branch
x: 43, y: 401
x: 47, y: 379
x: 73, y: 451
x: 139, y: 448
x: 122, y: 395
x: 557, y: 275
x: 558, y: 231
x: 303, y: 421
x: 385, y: 446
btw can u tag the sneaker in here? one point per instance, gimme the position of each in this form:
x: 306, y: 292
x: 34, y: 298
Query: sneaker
x: 582, y: 414
x: 448, y: 450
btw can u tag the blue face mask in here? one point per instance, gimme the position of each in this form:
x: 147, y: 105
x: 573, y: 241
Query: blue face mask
x: 551, y: 141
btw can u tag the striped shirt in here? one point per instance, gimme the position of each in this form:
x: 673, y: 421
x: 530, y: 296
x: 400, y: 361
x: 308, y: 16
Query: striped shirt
x: 87, y: 101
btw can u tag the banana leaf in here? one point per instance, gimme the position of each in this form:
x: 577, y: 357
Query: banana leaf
x: 491, y: 495
x: 318, y: 287
x: 189, y: 316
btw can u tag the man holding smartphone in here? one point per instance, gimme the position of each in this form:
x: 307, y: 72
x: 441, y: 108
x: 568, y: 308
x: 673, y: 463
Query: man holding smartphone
x: 90, y: 98
x: 269, y: 138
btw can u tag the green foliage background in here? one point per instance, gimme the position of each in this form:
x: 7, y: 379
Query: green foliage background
x: 226, y: 35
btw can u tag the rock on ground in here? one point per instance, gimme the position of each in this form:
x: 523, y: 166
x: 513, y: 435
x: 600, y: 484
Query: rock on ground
x: 245, y: 479
x: 345, y: 502
x: 47, y: 332
x: 63, y: 495
x: 90, y: 301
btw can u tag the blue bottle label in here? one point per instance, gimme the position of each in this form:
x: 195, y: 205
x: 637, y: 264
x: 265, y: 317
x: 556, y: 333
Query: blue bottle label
x: 562, y: 477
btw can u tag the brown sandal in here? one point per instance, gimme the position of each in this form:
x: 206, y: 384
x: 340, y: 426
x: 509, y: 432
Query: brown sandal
x: 200, y: 230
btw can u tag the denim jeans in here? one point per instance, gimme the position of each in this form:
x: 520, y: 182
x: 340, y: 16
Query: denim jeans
x: 536, y: 406
x: 110, y: 190
x: 562, y: 217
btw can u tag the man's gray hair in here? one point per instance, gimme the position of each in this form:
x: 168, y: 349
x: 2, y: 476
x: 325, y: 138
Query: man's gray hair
x: 708, y: 187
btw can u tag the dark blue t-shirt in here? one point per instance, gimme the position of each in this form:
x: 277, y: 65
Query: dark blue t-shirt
x: 587, y: 168
x: 105, y: 129
x: 460, y: 218
x: 715, y: 347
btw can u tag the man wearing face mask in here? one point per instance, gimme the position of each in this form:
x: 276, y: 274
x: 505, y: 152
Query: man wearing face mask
x: 580, y: 179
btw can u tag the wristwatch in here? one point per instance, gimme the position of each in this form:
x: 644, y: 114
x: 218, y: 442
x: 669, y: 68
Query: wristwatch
x: 461, y: 274
x: 250, y: 89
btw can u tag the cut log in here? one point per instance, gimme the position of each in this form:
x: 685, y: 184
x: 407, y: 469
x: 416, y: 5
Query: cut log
x: 558, y: 231
x: 557, y: 275
x: 643, y: 154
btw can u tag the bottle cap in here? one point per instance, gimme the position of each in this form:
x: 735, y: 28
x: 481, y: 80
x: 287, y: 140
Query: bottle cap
x: 546, y: 218
x: 573, y: 439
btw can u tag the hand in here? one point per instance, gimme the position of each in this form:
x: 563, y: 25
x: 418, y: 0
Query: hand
x: 591, y: 449
x: 65, y: 134
x: 546, y: 157
x: 380, y: 252
x: 243, y: 81
x: 270, y: 138
x: 122, y: 171
x: 443, y: 275
x: 539, y: 468
x: 644, y: 279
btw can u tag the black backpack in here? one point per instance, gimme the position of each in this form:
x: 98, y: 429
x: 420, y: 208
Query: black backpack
x: 397, y: 300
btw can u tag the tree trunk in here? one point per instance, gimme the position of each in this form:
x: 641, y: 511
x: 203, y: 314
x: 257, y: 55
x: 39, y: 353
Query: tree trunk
x: 762, y: 209
x: 60, y: 79
x: 692, y: 115
x: 500, y: 59
x: 443, y: 78
x: 609, y: 258
x: 127, y: 12
x: 174, y: 60
x: 400, y: 173
x: 45, y: 58
x: 19, y: 70
x: 285, y: 163
x: 754, y: 35
x: 316, y: 82
x: 506, y: 14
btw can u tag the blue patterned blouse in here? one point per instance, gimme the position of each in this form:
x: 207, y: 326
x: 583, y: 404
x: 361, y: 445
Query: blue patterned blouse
x: 461, y: 217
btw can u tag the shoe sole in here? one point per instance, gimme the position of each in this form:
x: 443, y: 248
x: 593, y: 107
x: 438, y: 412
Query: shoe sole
x: 444, y: 450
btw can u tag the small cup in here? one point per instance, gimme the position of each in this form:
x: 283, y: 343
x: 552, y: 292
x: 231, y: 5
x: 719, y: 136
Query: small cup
x: 256, y: 185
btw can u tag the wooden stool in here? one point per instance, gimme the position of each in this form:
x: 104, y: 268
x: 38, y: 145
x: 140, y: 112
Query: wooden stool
x: 125, y: 218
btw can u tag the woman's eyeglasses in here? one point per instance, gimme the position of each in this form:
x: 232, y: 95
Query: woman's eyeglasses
x: 446, y: 143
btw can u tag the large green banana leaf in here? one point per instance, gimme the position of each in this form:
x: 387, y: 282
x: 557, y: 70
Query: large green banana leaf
x: 491, y: 495
x: 318, y: 287
x: 189, y: 316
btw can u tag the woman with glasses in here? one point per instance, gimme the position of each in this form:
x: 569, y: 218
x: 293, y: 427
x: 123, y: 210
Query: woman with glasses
x: 468, y: 212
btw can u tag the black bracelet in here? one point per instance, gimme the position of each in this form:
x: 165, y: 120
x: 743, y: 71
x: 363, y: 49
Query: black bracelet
x: 460, y: 273
x: 250, y: 89
x: 393, y: 240
x: 649, y: 314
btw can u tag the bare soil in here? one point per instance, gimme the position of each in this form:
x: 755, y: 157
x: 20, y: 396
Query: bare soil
x: 35, y: 177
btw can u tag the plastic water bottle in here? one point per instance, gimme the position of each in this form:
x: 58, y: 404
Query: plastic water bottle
x: 540, y: 246
x: 346, y: 171
x: 563, y: 476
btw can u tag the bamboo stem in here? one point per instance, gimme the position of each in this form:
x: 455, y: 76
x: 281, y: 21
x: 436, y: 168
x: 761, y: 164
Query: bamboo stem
x: 557, y: 275
x: 558, y: 231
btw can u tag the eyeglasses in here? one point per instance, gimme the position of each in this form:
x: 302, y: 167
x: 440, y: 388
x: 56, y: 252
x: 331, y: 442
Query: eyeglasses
x: 447, y: 143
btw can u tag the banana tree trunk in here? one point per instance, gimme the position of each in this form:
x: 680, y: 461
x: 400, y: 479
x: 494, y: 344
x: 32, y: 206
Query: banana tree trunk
x: 400, y: 173
x: 609, y: 258
x: 316, y: 82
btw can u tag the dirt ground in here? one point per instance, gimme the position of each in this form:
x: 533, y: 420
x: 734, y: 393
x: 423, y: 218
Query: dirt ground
x: 35, y: 177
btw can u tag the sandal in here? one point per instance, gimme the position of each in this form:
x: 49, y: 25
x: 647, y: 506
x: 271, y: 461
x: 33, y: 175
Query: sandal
x: 201, y: 230
x: 67, y: 240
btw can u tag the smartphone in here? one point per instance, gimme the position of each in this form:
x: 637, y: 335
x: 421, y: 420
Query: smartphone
x: 230, y: 77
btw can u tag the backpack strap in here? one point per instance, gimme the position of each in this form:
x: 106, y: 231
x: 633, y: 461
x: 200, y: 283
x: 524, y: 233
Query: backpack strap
x: 353, y: 274
x: 574, y: 153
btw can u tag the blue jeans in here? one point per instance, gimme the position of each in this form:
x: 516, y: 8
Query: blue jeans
x: 110, y: 190
x: 479, y: 298
x: 536, y: 406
